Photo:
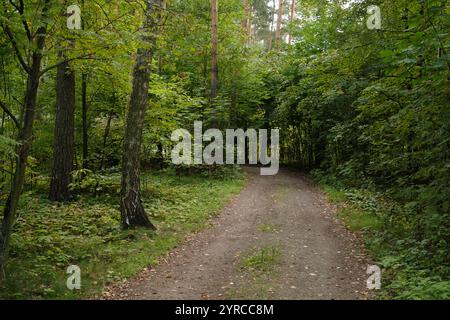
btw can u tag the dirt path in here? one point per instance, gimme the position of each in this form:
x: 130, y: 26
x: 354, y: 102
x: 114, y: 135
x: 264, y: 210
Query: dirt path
x: 317, y: 258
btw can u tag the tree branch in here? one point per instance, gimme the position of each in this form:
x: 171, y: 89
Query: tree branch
x: 7, y: 171
x: 9, y: 113
x: 82, y: 57
x: 27, y: 30
x: 20, y: 8
x: 16, y: 7
x: 16, y: 48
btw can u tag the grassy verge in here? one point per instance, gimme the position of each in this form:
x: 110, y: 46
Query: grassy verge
x: 353, y: 215
x: 407, y: 272
x: 49, y: 237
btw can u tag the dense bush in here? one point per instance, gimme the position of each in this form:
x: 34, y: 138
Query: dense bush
x: 372, y: 109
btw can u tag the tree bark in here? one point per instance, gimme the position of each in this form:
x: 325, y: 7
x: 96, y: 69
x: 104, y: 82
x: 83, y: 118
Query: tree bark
x: 160, y: 155
x: 105, y: 137
x: 25, y: 136
x: 291, y: 19
x: 247, y: 23
x: 214, y: 48
x: 278, y: 35
x: 63, y: 146
x: 84, y: 107
x: 132, y: 211
x: 84, y: 120
x: 272, y: 23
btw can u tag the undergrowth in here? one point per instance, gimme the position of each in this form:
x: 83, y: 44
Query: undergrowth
x: 415, y: 264
x: 49, y: 237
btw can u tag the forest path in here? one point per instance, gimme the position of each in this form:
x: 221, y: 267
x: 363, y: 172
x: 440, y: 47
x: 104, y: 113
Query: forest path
x: 307, y: 253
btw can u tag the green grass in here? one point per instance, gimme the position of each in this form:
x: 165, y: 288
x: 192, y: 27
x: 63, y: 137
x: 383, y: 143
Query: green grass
x: 264, y: 259
x: 49, y: 237
x: 260, y: 272
x: 334, y: 194
x: 260, y: 287
x: 353, y: 213
x: 358, y: 220
x: 268, y: 227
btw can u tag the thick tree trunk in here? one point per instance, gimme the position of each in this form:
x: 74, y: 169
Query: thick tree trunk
x: 214, y: 48
x: 63, y: 145
x: 25, y: 136
x: 131, y: 208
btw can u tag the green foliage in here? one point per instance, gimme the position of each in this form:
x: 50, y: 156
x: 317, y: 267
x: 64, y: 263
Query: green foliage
x: 263, y: 260
x: 371, y: 109
x: 412, y: 268
x: 7, y: 146
x: 50, y: 237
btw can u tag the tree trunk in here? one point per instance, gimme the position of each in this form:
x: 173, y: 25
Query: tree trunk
x: 278, y: 35
x: 160, y: 156
x: 247, y: 23
x: 291, y: 18
x: 105, y: 138
x: 214, y: 48
x: 272, y: 23
x: 84, y: 119
x: 84, y: 79
x: 132, y: 211
x: 3, y: 161
x: 25, y: 135
x: 63, y: 145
